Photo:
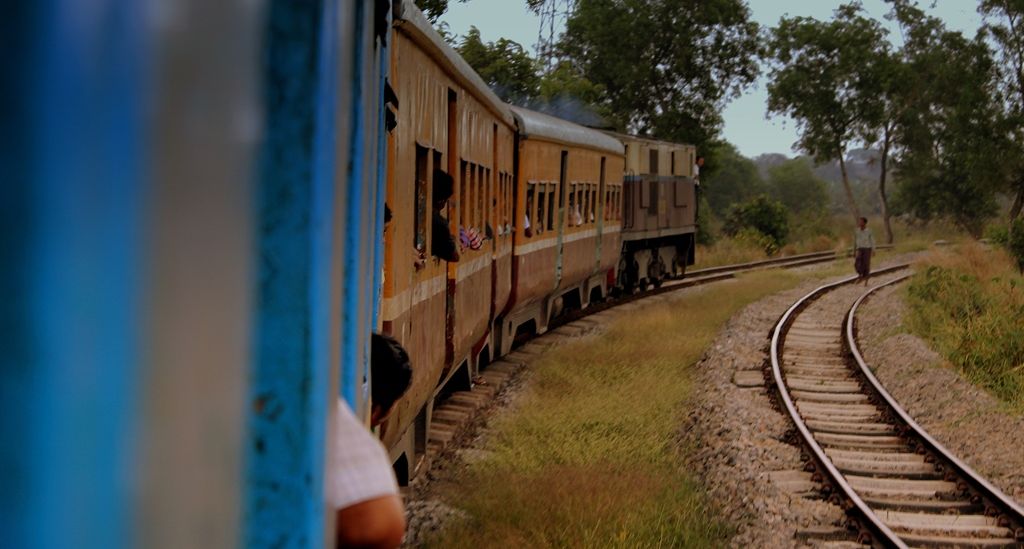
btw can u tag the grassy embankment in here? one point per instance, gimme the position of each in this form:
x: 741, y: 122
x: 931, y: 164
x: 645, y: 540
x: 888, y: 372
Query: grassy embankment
x: 969, y: 305
x: 589, y: 455
x: 835, y: 233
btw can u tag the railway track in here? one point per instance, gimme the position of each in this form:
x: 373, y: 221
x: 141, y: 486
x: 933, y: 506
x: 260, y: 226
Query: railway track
x: 899, y: 486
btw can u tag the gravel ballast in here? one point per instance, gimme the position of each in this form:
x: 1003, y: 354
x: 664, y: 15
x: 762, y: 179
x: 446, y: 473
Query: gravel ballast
x: 970, y: 422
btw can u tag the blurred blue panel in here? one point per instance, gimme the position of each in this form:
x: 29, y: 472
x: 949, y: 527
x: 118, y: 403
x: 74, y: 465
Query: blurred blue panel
x: 355, y: 261
x: 289, y: 387
x: 74, y: 153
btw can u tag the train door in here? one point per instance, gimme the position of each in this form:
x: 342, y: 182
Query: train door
x: 453, y: 227
x: 599, y: 213
x: 563, y: 189
x: 496, y: 201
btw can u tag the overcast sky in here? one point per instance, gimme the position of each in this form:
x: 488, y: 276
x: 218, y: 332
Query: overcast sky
x: 745, y: 122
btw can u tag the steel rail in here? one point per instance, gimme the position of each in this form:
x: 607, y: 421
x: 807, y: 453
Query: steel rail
x: 995, y: 495
x: 868, y: 516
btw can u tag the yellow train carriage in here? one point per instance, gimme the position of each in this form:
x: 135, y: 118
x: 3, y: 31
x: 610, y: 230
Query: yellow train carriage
x: 568, y: 191
x: 441, y: 311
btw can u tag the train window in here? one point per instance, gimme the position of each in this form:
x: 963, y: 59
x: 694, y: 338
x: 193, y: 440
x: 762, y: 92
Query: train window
x: 463, y: 191
x: 653, y: 168
x: 541, y: 211
x: 588, y: 204
x: 420, y: 202
x: 652, y: 207
x: 483, y: 182
x: 509, y: 204
x: 673, y: 163
x: 529, y: 214
x: 571, y: 211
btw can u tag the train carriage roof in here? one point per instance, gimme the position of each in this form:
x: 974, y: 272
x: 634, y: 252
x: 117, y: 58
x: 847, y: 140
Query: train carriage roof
x: 409, y: 19
x: 624, y: 137
x: 545, y: 126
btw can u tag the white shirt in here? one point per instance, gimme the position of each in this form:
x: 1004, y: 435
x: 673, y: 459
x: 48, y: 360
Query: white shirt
x: 358, y: 468
x: 863, y: 239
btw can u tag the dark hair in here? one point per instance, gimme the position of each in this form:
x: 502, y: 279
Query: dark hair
x: 864, y: 219
x: 387, y: 214
x: 443, y: 186
x: 389, y: 366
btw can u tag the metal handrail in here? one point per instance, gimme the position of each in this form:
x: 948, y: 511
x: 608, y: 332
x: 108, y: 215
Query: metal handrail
x: 873, y: 522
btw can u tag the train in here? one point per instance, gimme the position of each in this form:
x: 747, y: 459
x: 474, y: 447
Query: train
x: 573, y: 213
x: 199, y: 194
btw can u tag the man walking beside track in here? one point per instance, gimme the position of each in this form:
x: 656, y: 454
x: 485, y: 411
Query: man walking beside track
x: 863, y: 249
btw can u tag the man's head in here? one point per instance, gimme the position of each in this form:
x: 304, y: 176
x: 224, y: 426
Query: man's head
x: 700, y: 161
x: 389, y: 366
x: 862, y: 222
x: 444, y: 186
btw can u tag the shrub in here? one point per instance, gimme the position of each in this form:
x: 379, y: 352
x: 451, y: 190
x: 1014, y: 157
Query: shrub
x: 763, y: 215
x: 970, y: 306
x: 997, y: 233
x: 754, y: 237
x: 1011, y: 238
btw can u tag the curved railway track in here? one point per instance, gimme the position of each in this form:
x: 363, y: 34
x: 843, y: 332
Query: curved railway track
x: 899, y: 486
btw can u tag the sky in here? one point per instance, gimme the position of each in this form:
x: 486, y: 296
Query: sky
x: 746, y: 123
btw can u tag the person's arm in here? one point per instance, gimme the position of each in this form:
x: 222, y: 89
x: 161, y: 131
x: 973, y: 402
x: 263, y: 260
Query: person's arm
x: 378, y: 523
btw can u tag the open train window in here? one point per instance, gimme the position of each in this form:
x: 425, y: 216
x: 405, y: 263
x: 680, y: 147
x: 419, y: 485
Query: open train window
x: 482, y: 205
x: 673, y: 163
x: 420, y: 201
x: 652, y: 207
x: 653, y: 168
x: 463, y: 191
x: 541, y: 211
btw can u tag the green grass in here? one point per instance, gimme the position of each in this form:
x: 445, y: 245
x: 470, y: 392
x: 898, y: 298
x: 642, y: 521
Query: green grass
x: 969, y: 305
x: 834, y: 233
x: 589, y: 456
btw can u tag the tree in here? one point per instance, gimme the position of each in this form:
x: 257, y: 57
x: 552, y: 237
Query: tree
x: 818, y: 80
x: 667, y: 66
x: 765, y: 216
x: 505, y: 65
x: 952, y: 134
x: 434, y: 9
x: 1004, y: 20
x: 733, y: 178
x: 795, y: 185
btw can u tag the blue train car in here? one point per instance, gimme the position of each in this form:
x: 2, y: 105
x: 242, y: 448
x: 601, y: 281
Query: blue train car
x: 192, y: 199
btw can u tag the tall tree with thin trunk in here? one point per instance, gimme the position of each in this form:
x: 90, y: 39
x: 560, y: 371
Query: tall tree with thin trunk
x: 818, y: 79
x: 891, y: 102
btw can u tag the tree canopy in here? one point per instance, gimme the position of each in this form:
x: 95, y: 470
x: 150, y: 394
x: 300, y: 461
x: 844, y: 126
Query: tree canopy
x: 953, y: 135
x: 794, y: 184
x: 505, y: 65
x: 667, y: 67
x: 735, y: 179
x: 824, y: 76
x: 1004, y: 20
